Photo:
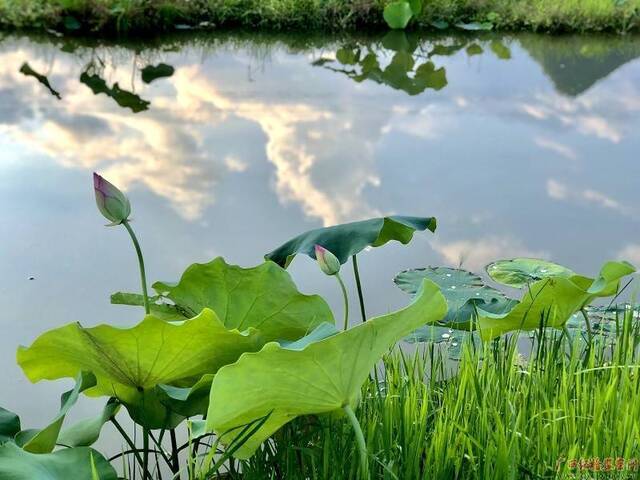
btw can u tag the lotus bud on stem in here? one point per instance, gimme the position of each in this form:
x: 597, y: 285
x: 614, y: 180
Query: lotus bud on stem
x: 330, y: 265
x: 115, y: 207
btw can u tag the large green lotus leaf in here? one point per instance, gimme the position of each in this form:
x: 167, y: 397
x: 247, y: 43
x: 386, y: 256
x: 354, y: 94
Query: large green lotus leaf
x: 554, y: 300
x: 9, y: 425
x: 464, y: 291
x: 520, y: 272
x: 69, y: 463
x: 44, y: 441
x: 129, y: 363
x: 397, y: 14
x: 348, y: 239
x: 320, y: 377
x: 165, y: 311
x: 262, y: 297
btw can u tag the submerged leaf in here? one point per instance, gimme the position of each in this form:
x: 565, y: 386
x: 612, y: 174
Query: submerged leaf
x: 552, y: 301
x: 320, y: 377
x: 465, y: 293
x: 262, y: 297
x: 520, y: 272
x: 129, y: 363
x: 66, y: 464
x: 349, y: 239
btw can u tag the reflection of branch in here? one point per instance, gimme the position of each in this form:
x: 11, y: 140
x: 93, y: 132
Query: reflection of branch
x: 30, y: 72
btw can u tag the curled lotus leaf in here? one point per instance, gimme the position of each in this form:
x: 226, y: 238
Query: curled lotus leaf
x: 349, y: 239
x: 9, y: 425
x: 552, y: 301
x: 520, y: 272
x: 129, y: 363
x: 280, y: 383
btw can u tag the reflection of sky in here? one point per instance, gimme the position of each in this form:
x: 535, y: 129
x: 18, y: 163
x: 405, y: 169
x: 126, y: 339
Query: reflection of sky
x: 236, y: 154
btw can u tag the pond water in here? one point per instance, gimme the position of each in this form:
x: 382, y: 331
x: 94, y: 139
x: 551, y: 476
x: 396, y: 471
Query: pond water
x: 519, y: 145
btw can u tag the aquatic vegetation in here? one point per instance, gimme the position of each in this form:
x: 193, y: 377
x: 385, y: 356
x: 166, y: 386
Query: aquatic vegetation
x: 258, y: 361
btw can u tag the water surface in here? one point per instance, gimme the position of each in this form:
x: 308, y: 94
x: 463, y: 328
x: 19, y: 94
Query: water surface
x: 520, y: 145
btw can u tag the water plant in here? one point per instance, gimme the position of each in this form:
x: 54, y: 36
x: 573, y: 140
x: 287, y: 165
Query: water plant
x: 242, y: 359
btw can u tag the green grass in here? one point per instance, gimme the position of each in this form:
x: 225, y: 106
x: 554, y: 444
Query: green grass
x: 499, y: 416
x: 140, y: 16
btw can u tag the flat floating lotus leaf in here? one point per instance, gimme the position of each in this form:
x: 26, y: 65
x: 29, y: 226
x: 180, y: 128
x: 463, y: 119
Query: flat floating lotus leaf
x: 321, y: 377
x: 69, y: 463
x: 520, y: 272
x: 554, y: 300
x: 465, y: 293
x: 44, y: 441
x: 129, y: 363
x: 9, y: 425
x: 349, y: 239
x: 262, y: 297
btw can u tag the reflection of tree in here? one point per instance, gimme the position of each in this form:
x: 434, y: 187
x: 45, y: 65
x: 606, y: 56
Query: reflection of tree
x: 575, y: 63
x: 124, y: 98
x: 30, y: 72
x: 408, y: 61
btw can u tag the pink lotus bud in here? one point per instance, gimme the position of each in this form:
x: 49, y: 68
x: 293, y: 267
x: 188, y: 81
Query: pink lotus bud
x: 111, y: 202
x: 327, y: 261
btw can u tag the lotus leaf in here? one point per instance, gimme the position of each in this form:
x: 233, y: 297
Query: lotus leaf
x: 397, y: 14
x: 129, y: 363
x: 464, y: 291
x: 321, y: 377
x: 552, y: 301
x: 349, y: 239
x: 69, y: 463
x: 520, y: 272
x: 86, y: 432
x: 262, y: 297
x: 9, y: 425
x: 44, y: 441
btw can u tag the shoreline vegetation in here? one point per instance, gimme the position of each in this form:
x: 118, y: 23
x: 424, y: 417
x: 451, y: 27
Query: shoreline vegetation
x: 153, y: 16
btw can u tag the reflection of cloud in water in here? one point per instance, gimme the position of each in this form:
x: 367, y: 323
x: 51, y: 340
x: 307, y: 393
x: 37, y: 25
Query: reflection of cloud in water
x: 475, y: 254
x: 163, y: 149
x: 560, y: 191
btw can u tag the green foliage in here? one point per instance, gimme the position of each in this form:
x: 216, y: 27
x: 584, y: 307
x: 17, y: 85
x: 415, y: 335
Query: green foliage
x: 351, y: 238
x: 130, y: 363
x: 320, y: 377
x: 262, y: 297
x: 70, y: 463
x: 465, y: 293
x: 520, y: 272
x: 9, y: 425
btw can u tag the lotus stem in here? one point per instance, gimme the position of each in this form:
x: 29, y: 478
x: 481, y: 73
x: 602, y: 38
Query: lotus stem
x: 362, y: 446
x: 356, y: 273
x: 132, y: 445
x: 145, y: 451
x: 143, y: 275
x: 174, y: 452
x: 346, y: 300
x: 588, y: 322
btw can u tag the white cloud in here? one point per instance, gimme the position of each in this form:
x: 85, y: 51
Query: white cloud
x: 556, y: 190
x: 556, y: 147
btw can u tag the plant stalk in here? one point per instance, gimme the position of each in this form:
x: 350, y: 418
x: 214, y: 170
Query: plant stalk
x: 132, y: 445
x: 362, y: 446
x: 346, y: 300
x: 143, y: 275
x: 145, y: 452
x: 356, y: 273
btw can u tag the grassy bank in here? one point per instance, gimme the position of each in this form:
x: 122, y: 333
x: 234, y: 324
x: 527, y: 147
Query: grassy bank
x: 143, y: 16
